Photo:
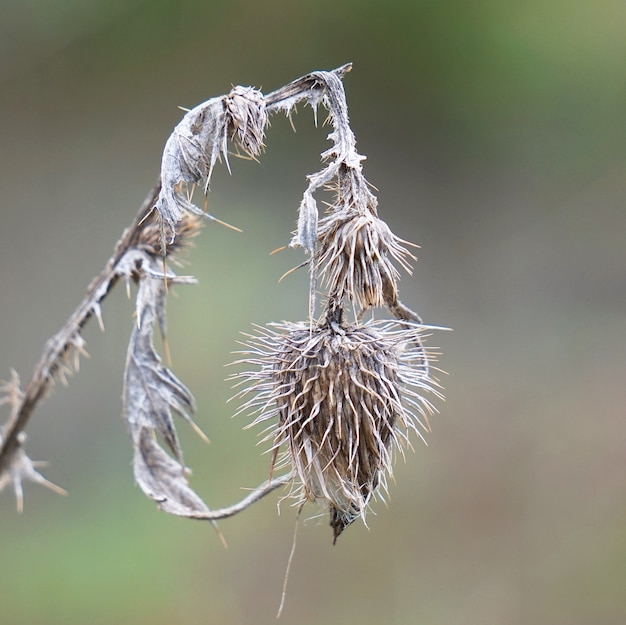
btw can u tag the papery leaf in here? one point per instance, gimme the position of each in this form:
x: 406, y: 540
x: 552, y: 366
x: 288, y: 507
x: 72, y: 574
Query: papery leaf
x: 189, y: 156
x: 162, y: 478
x: 152, y: 394
x: 151, y: 391
x: 196, y: 143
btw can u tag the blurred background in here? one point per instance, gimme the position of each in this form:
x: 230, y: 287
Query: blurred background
x: 495, y: 133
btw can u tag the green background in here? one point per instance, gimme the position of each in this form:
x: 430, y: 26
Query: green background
x: 495, y: 133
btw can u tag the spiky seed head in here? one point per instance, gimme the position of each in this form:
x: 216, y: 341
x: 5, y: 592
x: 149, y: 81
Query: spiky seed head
x: 340, y: 399
x: 247, y: 118
x: 355, y: 256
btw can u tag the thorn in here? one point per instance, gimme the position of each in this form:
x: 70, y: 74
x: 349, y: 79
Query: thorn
x: 148, y: 213
x: 245, y: 157
x: 278, y: 249
x: 80, y: 349
x: 199, y: 432
x: 223, y: 223
x: 19, y: 495
x: 220, y: 535
x: 227, y: 162
x: 97, y: 311
x: 55, y: 488
x: 300, y: 266
x: 62, y: 373
x: 291, y: 120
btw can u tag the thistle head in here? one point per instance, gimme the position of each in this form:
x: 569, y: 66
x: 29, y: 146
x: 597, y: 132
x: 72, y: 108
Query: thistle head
x: 356, y: 254
x: 149, y: 239
x: 247, y: 118
x: 341, y: 399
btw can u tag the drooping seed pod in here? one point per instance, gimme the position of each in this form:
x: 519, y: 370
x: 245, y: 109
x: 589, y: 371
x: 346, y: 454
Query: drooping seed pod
x: 355, y: 256
x: 341, y: 399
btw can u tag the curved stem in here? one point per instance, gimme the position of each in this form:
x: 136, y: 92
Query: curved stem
x: 56, y: 347
x: 253, y: 497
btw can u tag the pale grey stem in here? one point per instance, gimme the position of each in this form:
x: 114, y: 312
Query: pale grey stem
x: 299, y: 88
x: 258, y: 493
x: 57, y: 346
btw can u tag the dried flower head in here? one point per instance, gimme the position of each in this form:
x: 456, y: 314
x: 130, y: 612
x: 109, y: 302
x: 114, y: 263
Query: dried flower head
x: 148, y: 238
x: 355, y: 255
x: 247, y: 117
x: 341, y: 399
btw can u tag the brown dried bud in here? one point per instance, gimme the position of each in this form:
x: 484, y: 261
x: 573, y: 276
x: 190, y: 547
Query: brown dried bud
x: 343, y: 399
x: 149, y: 236
x: 247, y: 118
x: 355, y: 255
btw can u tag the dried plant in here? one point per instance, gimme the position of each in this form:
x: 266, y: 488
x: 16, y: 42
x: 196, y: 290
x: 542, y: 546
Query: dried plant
x: 340, y: 396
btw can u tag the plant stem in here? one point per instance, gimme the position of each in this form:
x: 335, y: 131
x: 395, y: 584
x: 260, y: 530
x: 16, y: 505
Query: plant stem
x: 59, y: 344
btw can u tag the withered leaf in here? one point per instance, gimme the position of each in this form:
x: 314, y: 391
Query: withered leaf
x: 196, y: 143
x: 189, y: 156
x: 152, y: 394
x: 162, y: 478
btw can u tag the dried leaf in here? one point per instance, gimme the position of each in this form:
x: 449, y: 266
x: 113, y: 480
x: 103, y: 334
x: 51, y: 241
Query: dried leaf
x: 162, y: 478
x: 196, y: 143
x: 152, y: 394
x: 189, y: 156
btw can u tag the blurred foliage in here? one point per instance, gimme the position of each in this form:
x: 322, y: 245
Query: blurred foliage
x: 495, y: 134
